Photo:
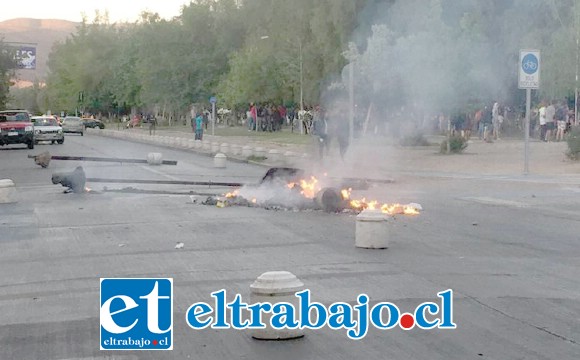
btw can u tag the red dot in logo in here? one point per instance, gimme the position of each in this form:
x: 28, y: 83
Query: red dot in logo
x: 154, y: 342
x: 407, y: 321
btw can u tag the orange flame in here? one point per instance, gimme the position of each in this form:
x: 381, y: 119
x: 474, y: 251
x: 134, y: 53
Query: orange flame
x: 310, y: 188
x: 391, y: 209
x: 232, y: 194
x: 345, y: 193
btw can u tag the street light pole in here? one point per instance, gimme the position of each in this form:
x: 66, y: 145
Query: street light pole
x: 301, y: 77
x: 576, y: 92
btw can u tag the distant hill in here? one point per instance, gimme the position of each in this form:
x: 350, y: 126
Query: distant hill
x: 43, y: 32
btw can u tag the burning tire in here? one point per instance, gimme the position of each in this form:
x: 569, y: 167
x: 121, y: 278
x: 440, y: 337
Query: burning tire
x: 330, y: 200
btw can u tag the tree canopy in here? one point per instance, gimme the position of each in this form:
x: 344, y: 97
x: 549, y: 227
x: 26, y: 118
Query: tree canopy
x: 439, y: 54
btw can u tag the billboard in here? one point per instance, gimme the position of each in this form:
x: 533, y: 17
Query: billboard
x: 25, y: 56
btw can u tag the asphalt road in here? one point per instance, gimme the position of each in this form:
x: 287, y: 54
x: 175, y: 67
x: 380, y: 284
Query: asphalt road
x: 507, y: 246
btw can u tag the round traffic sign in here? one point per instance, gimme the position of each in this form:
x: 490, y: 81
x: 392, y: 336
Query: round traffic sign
x: 530, y: 64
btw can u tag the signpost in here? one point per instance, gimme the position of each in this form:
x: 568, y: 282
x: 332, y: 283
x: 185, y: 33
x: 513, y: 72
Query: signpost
x: 212, y: 100
x: 529, y: 78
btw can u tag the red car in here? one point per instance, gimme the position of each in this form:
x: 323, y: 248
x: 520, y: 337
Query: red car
x: 16, y: 128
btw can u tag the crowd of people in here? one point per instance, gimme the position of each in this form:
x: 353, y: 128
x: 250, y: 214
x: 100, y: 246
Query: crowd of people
x: 550, y: 121
x: 266, y: 117
x: 555, y: 119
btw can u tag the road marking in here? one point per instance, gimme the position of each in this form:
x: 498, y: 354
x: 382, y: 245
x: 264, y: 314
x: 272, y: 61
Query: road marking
x: 495, y: 201
x: 160, y: 173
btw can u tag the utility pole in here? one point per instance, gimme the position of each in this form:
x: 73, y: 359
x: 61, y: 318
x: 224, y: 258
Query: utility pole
x: 351, y: 102
x: 301, y: 76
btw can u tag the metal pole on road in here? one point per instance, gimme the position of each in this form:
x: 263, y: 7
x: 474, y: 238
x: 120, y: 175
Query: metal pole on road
x: 527, y: 133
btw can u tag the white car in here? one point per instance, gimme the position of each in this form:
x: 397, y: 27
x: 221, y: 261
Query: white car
x: 73, y: 124
x: 46, y: 128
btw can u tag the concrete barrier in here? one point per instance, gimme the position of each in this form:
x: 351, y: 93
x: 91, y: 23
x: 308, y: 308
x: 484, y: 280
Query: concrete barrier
x: 276, y: 287
x: 290, y: 158
x: 247, y: 151
x: 154, y: 158
x: 206, y: 146
x: 219, y: 161
x: 191, y: 144
x: 259, y: 152
x: 215, y: 147
x: 235, y: 149
x: 274, y: 156
x: 198, y: 144
x: 7, y: 191
x: 372, y: 231
x: 225, y: 148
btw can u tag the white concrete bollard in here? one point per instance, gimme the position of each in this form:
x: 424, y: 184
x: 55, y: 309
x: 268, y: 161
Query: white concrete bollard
x: 372, y: 231
x: 274, y: 156
x: 219, y: 161
x: 225, y: 148
x: 260, y: 152
x: 198, y: 144
x: 275, y: 287
x: 206, y: 146
x: 215, y: 147
x: 247, y: 151
x: 191, y: 144
x: 235, y: 149
x: 154, y: 158
x: 184, y: 143
x: 290, y: 158
x: 7, y: 191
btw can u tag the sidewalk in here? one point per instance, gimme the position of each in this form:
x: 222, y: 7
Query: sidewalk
x: 381, y: 157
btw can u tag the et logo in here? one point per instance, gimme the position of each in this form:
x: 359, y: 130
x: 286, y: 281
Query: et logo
x: 136, y: 314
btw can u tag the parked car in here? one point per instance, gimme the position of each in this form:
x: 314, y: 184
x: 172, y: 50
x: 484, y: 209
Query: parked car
x: 93, y: 123
x: 46, y: 128
x: 16, y: 128
x: 73, y: 124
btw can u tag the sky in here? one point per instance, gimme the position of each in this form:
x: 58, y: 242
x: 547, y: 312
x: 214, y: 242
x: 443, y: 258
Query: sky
x: 119, y: 10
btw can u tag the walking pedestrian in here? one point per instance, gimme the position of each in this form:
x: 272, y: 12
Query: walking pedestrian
x: 320, y: 132
x: 199, y: 127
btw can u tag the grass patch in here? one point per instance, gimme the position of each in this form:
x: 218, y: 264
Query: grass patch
x: 256, y: 158
x: 573, y: 141
x: 285, y: 136
x: 456, y: 145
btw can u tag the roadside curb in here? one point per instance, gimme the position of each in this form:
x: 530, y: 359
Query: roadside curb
x: 189, y: 145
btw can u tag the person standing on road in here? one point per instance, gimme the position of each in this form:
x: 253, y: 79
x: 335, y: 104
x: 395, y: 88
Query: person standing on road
x: 253, y: 117
x: 550, y: 117
x: 561, y: 118
x: 320, y: 131
x: 495, y: 120
x: 199, y: 127
x: 486, y: 124
x: 543, y: 126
